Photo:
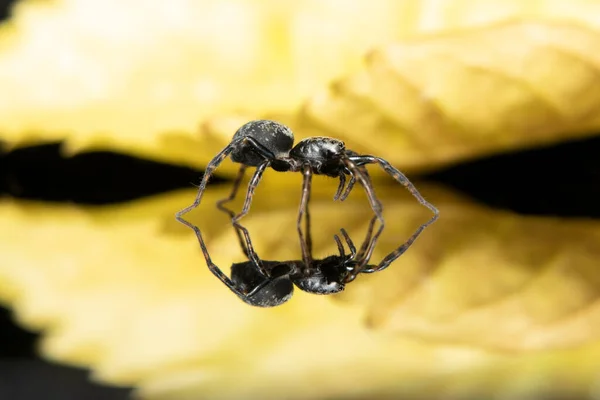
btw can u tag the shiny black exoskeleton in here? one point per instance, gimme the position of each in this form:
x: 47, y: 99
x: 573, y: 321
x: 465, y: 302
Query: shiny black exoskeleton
x: 265, y: 143
x: 326, y: 277
x: 257, y: 141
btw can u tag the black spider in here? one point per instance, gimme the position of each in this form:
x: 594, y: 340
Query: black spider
x: 266, y: 143
x: 323, y: 276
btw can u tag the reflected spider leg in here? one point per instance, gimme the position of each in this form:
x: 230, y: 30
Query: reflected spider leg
x: 328, y: 156
x: 394, y: 254
x: 375, y: 205
x: 304, y: 210
x: 319, y: 276
x: 212, y: 266
x: 235, y: 220
x: 260, y: 169
x: 367, y: 241
x: 254, y: 144
x: 349, y: 240
x: 325, y: 276
x: 390, y: 258
x: 355, y: 258
x: 221, y: 204
x: 247, y: 281
x: 340, y: 246
x: 403, y: 180
x: 241, y: 230
x: 305, y: 241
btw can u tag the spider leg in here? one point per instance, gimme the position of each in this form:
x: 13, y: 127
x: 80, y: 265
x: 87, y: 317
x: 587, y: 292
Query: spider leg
x: 260, y: 169
x: 217, y: 271
x: 214, y: 164
x: 340, y: 246
x: 251, y: 188
x: 305, y: 241
x: 221, y: 206
x: 245, y: 209
x: 307, y: 225
x: 210, y: 168
x: 398, y: 176
x: 360, y: 257
x: 390, y: 258
x: 366, y: 242
x: 349, y: 242
x: 375, y: 205
x: 358, y: 174
x: 348, y: 188
x: 403, y: 180
x: 234, y: 190
x: 340, y: 186
x: 251, y: 253
x: 353, y: 181
x: 212, y: 266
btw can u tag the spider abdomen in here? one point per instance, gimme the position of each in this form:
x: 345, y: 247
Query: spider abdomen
x: 274, y: 138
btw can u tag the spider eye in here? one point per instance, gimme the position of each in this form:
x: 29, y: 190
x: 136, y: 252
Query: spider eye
x: 332, y: 148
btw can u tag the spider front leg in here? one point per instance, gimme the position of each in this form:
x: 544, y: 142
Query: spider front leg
x: 398, y: 176
x: 403, y: 180
x: 350, y: 244
x: 357, y: 174
x: 363, y: 256
x: 375, y: 205
x: 341, y: 185
x: 305, y: 241
x: 245, y: 209
x: 353, y: 181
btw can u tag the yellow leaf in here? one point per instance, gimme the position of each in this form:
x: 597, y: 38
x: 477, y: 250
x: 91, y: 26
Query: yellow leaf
x: 142, y: 83
x: 450, y: 97
x: 106, y: 75
x: 441, y: 99
x: 125, y: 291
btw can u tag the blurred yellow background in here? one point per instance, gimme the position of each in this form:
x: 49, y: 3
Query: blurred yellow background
x: 487, y: 303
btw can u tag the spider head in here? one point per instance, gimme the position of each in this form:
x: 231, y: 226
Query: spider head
x: 321, y: 153
x: 274, y: 139
x: 325, y: 277
x: 263, y: 291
